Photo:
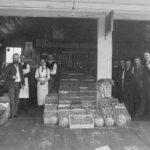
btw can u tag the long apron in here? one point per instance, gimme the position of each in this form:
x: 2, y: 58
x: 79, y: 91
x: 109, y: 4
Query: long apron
x: 42, y: 91
x: 24, y: 92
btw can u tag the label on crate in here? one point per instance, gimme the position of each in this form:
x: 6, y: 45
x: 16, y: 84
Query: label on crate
x: 107, y: 108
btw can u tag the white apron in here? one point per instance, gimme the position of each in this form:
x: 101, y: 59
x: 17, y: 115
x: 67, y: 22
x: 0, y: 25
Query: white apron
x: 24, y: 92
x: 42, y: 90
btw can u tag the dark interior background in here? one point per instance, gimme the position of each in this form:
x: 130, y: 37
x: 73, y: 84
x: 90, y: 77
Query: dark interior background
x: 130, y: 38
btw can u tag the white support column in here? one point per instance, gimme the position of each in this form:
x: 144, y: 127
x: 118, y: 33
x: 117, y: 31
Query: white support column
x: 104, y: 51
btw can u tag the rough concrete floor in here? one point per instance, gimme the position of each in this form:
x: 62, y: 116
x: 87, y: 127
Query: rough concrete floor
x: 27, y: 132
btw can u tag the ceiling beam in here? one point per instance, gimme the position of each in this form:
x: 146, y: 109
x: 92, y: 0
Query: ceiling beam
x: 124, y: 10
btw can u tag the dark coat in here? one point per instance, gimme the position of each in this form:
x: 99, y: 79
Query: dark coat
x: 116, y: 75
x: 128, y: 79
x: 146, y: 77
x: 11, y: 71
x: 138, y: 77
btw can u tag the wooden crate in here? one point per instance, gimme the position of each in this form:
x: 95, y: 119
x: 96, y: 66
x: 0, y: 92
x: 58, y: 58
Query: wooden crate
x: 51, y: 98
x: 81, y: 121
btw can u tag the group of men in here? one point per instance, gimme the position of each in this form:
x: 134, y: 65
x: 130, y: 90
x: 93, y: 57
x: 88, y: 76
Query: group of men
x: 132, y: 84
x: 16, y: 75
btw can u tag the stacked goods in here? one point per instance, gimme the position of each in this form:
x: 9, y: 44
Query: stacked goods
x: 122, y: 115
x: 2, y: 116
x: 77, y: 105
x: 104, y: 87
x: 50, y: 107
x: 50, y: 118
x: 63, y: 95
x: 50, y: 111
x: 114, y: 112
x: 98, y: 117
x: 89, y: 105
x: 108, y: 112
x: 51, y: 98
x: 4, y: 112
x: 81, y: 121
x: 64, y: 115
x: 64, y: 106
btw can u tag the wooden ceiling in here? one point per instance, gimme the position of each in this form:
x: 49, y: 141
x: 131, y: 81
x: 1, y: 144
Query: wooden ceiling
x: 34, y: 27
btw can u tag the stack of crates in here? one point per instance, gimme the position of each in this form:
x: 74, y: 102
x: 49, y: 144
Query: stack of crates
x: 50, y: 107
x: 77, y: 88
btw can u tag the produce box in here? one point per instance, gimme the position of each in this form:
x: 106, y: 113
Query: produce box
x: 64, y: 102
x: 107, y: 109
x: 73, y: 94
x: 88, y: 98
x: 50, y: 107
x: 89, y: 104
x: 4, y: 112
x: 81, y: 121
x: 47, y: 114
x: 2, y: 116
x: 51, y: 99
x: 4, y: 99
x: 50, y: 118
x: 63, y: 93
x: 121, y: 110
x: 67, y: 112
x: 76, y: 106
x: 75, y: 99
x: 62, y: 98
x: 63, y: 106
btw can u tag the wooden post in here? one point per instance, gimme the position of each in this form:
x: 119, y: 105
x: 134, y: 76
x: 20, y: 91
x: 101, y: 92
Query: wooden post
x: 104, y: 52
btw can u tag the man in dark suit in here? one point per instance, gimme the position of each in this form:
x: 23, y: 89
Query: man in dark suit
x: 128, y: 86
x: 146, y: 82
x: 15, y: 80
x: 52, y: 66
x: 120, y: 80
x: 138, y: 91
x: 115, y: 77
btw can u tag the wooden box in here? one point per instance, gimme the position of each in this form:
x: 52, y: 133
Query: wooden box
x: 81, y: 121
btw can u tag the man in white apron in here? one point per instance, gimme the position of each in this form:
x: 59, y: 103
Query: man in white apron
x: 24, y: 92
x: 43, y: 76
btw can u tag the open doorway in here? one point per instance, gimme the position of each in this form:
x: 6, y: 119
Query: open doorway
x: 10, y: 51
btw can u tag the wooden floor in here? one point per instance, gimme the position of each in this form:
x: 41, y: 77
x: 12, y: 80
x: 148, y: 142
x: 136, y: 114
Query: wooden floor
x: 28, y: 132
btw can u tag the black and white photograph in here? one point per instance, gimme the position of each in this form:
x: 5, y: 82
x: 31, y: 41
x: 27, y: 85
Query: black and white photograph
x: 74, y: 75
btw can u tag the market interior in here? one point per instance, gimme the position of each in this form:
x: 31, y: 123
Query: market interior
x: 73, y: 43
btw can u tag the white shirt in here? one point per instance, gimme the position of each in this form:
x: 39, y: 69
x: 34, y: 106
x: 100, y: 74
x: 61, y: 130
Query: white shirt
x: 18, y: 74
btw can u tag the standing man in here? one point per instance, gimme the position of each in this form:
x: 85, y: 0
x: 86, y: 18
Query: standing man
x: 146, y: 81
x: 42, y: 76
x: 115, y: 77
x: 15, y: 80
x: 138, y: 92
x: 128, y: 87
x: 24, y: 92
x: 121, y: 79
x: 52, y: 66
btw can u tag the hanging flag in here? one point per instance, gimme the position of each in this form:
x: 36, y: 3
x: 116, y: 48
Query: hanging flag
x: 109, y: 20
